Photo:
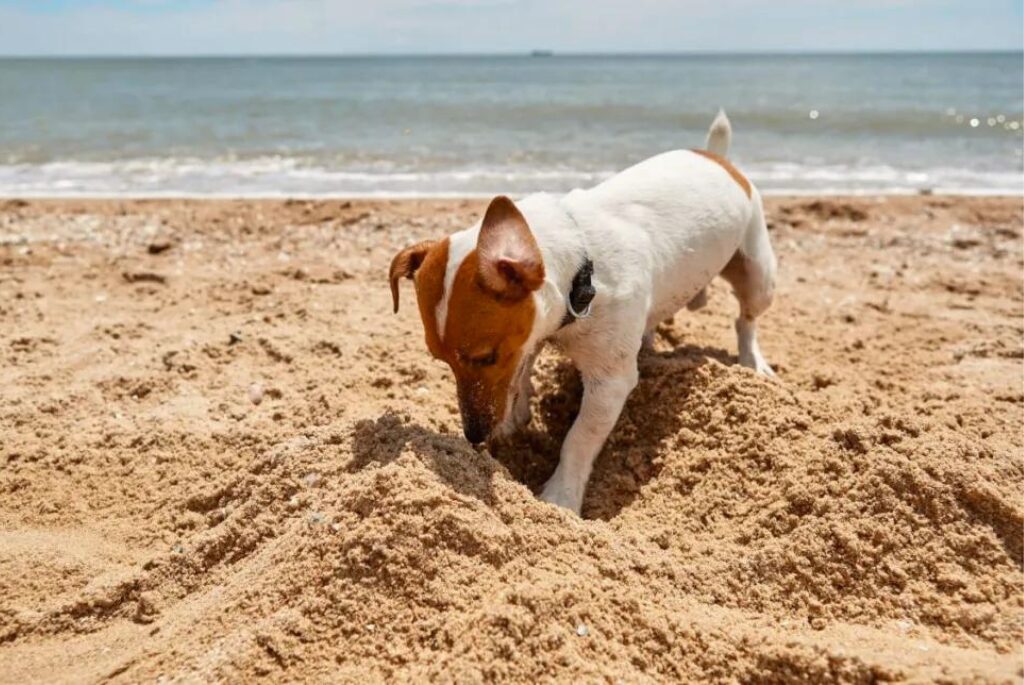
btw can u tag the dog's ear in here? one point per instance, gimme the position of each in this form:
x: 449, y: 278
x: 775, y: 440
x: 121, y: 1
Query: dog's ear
x: 405, y: 264
x: 510, y: 261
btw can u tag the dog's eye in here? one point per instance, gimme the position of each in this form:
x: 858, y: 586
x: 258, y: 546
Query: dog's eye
x: 485, y: 359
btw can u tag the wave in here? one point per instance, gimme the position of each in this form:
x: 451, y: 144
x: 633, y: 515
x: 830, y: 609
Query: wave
x: 280, y: 176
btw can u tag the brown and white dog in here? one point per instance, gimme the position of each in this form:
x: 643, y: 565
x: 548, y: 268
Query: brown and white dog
x: 593, y: 271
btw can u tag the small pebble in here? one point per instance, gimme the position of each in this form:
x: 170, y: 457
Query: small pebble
x: 256, y: 393
x: 316, y: 518
x: 582, y: 630
x: 159, y: 245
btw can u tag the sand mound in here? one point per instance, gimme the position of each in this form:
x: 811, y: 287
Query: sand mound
x: 830, y: 527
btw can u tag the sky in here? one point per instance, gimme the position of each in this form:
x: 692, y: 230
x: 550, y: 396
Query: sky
x: 213, y: 27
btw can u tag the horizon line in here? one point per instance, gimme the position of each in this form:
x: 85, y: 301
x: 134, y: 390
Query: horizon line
x: 536, y: 53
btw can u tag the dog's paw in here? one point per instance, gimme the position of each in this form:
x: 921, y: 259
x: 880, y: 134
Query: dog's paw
x: 515, y: 422
x: 757, y: 362
x: 559, y: 495
x: 521, y: 414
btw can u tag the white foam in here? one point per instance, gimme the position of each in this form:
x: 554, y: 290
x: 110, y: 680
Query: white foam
x: 283, y: 176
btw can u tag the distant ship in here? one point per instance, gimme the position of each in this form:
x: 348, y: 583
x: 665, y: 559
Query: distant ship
x: 541, y: 53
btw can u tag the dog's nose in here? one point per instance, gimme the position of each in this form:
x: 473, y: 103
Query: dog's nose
x: 475, y: 428
x: 474, y: 431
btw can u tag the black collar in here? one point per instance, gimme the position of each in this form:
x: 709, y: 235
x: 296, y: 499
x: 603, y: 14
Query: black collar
x: 581, y: 295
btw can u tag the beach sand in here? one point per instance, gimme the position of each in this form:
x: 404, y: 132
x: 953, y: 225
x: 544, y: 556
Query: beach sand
x: 223, y: 457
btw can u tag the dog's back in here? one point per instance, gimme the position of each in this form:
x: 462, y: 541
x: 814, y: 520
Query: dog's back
x: 678, y: 218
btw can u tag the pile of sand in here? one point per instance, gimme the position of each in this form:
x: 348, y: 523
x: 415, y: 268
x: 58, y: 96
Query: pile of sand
x: 858, y: 521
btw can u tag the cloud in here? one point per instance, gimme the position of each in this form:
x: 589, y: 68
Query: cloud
x: 456, y: 26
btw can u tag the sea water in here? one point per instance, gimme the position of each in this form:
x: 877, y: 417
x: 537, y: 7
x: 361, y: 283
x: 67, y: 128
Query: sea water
x: 476, y: 125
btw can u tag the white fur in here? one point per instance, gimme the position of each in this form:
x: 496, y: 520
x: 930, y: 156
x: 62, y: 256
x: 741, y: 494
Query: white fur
x: 657, y: 234
x: 719, y: 135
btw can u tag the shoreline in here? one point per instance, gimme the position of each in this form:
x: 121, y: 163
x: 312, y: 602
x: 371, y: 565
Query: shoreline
x: 834, y: 194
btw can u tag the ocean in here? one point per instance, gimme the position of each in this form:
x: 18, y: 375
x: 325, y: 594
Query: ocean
x: 447, y: 126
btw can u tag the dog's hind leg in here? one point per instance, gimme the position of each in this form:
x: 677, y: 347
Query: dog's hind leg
x: 751, y: 272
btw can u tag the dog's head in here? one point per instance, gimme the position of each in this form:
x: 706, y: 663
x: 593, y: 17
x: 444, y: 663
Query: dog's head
x: 478, y: 310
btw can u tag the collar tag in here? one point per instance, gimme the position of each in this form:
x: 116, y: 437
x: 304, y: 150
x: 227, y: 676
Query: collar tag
x: 581, y: 297
x: 585, y: 314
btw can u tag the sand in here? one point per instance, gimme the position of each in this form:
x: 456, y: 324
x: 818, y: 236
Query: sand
x: 222, y: 458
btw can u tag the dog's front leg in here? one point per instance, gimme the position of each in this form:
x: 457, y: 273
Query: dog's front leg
x: 603, y: 398
x: 524, y: 392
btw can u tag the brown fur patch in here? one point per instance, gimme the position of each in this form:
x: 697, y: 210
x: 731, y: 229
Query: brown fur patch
x: 429, y: 291
x: 479, y: 324
x: 490, y: 309
x: 727, y: 165
x: 405, y: 265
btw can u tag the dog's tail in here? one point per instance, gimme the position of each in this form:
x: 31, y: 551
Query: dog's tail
x: 719, y: 135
